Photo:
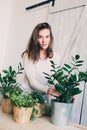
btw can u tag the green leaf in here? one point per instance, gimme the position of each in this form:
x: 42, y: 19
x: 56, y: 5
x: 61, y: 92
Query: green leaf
x: 59, y: 74
x: 20, y: 64
x: 10, y: 69
x: 78, y: 64
x: 19, y: 73
x: 76, y: 91
x: 68, y: 98
x: 50, y: 82
x: 65, y: 69
x: 68, y: 66
x: 60, y: 89
x: 53, y: 66
x: 53, y: 70
x: 46, y: 74
x: 52, y: 62
x: 80, y: 61
x: 77, y: 57
x: 73, y: 77
x: 47, y: 77
x: 5, y: 71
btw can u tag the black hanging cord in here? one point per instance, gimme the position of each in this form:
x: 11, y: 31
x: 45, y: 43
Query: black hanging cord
x: 40, y: 4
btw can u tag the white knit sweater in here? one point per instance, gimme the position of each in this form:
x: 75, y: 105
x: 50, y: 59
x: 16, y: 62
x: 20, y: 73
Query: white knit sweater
x: 34, y: 78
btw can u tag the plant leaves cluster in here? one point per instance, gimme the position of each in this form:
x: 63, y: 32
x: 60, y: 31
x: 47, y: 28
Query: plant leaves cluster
x: 25, y: 99
x: 19, y: 98
x: 8, y: 80
x: 38, y: 95
x: 66, y: 79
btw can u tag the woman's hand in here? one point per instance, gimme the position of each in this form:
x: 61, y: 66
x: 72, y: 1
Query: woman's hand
x: 52, y: 92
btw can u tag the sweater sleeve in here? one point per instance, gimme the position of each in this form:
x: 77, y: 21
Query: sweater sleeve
x: 30, y: 74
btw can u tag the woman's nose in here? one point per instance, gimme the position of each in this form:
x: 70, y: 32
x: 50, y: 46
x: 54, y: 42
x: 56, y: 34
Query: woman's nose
x: 44, y: 39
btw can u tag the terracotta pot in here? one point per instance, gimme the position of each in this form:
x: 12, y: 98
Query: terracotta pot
x: 40, y: 108
x: 22, y: 115
x: 6, y: 106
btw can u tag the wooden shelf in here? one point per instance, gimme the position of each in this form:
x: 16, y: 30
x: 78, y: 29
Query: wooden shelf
x: 7, y: 123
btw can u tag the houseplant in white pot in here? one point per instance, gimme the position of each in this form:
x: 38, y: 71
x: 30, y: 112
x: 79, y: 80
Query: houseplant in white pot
x: 8, y: 82
x: 66, y: 80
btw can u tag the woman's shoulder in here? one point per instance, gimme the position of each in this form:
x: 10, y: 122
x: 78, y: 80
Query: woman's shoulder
x: 26, y: 59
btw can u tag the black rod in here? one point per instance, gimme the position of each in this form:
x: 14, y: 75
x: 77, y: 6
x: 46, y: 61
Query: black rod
x: 53, y: 2
x: 40, y: 4
x: 82, y: 103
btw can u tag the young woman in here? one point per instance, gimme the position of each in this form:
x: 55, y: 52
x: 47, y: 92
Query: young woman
x: 36, y: 60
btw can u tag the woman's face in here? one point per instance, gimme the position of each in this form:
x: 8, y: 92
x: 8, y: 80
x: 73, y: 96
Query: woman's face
x: 44, y: 38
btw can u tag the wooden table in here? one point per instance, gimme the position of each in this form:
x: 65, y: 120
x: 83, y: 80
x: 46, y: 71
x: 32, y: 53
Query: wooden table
x: 7, y: 123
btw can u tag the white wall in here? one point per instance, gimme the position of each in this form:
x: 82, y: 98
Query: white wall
x: 5, y: 14
x: 16, y: 25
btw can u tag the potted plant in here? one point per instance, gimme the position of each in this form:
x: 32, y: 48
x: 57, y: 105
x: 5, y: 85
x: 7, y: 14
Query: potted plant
x: 8, y: 82
x: 66, y: 80
x: 22, y: 106
x: 39, y: 107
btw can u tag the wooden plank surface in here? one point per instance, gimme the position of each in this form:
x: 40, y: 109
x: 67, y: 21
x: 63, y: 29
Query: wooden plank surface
x: 7, y: 123
x: 61, y: 5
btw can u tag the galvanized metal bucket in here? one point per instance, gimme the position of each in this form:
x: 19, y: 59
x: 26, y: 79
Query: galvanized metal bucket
x: 60, y: 113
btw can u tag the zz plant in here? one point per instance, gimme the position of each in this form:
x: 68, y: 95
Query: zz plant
x: 38, y: 95
x: 8, y: 81
x: 66, y: 79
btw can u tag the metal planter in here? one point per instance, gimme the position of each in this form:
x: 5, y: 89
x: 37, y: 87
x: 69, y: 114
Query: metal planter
x: 60, y: 113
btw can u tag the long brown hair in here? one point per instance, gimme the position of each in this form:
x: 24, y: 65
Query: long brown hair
x: 33, y: 48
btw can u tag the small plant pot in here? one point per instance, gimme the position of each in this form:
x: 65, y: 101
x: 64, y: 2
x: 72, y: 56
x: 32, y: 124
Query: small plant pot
x: 22, y: 115
x: 6, y: 106
x: 60, y: 113
x: 40, y: 108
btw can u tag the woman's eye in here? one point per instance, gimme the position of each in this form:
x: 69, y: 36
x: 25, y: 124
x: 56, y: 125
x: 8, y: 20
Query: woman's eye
x: 39, y: 37
x: 47, y: 36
